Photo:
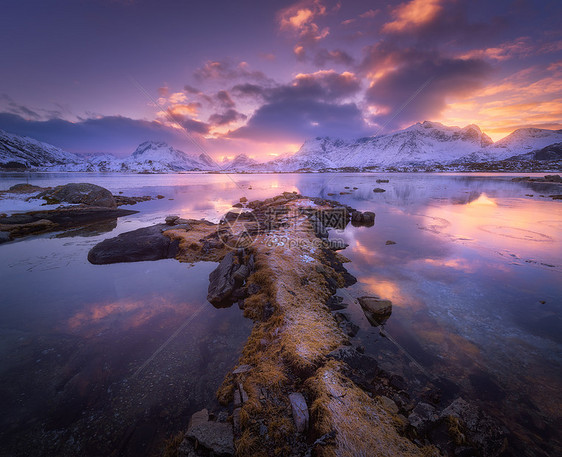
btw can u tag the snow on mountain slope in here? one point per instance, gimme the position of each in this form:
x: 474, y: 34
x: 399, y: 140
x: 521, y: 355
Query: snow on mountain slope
x: 30, y: 153
x: 159, y: 157
x: 240, y: 163
x: 427, y: 142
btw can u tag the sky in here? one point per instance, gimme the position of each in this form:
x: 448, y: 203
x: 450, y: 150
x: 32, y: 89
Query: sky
x: 260, y: 77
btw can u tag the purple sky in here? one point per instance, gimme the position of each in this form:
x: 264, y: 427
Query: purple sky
x: 260, y: 77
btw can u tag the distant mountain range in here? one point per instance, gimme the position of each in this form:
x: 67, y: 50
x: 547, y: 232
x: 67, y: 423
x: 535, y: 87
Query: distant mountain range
x: 426, y: 146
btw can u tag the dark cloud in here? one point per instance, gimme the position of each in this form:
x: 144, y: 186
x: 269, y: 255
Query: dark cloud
x: 249, y: 90
x: 113, y: 134
x: 427, y: 77
x: 191, y: 90
x: 296, y: 120
x: 336, y: 56
x: 227, y: 117
x: 224, y: 99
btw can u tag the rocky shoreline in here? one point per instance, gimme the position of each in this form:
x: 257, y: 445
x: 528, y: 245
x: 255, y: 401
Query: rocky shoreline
x: 301, y: 387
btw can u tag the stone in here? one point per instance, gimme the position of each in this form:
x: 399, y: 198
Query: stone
x: 243, y: 200
x: 216, y: 437
x: 376, y: 310
x: 359, y: 219
x: 336, y: 245
x: 24, y: 188
x: 388, y: 404
x: 390, y: 242
x: 242, y: 369
x: 171, y: 220
x: 355, y: 360
x: 5, y: 237
x: 146, y: 243
x: 335, y: 303
x: 378, y: 190
x: 380, y: 181
x: 160, y: 197
x: 238, y: 205
x: 423, y: 417
x: 199, y: 417
x: 222, y: 281
x: 80, y: 193
x: 300, y: 411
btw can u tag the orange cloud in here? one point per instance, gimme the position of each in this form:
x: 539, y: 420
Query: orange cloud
x: 412, y: 14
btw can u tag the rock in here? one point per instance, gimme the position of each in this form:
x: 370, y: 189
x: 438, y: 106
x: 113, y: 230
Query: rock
x: 388, y: 404
x: 335, y: 303
x: 380, y: 181
x: 84, y: 193
x: 242, y: 369
x: 423, y: 417
x: 553, y: 178
x: 336, y: 245
x: 359, y: 219
x: 171, y: 220
x: 226, y: 281
x: 238, y: 205
x: 300, y: 411
x: 160, y: 197
x: 5, y: 237
x: 24, y: 189
x: 243, y: 200
x: 378, y: 189
x: 199, y: 417
x: 146, y: 243
x: 476, y: 427
x: 376, y: 310
x: 390, y: 242
x: 216, y: 437
x: 355, y: 360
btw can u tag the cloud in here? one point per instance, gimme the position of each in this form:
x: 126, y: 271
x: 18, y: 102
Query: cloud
x: 224, y: 99
x: 398, y: 74
x: 228, y: 117
x: 336, y: 56
x: 412, y: 14
x: 114, y: 134
x: 313, y: 104
x: 300, y: 19
x: 226, y: 70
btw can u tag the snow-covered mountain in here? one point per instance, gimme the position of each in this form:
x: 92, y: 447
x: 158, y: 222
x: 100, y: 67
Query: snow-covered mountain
x: 24, y: 152
x: 426, y: 145
x: 240, y: 163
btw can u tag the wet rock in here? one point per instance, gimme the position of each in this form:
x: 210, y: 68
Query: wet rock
x: 380, y: 181
x: 199, y: 417
x: 227, y: 280
x: 379, y: 190
x: 300, y: 411
x: 366, y: 218
x: 243, y: 200
x: 160, y: 197
x: 470, y: 423
x: 423, y: 417
x: 355, y: 360
x: 376, y: 310
x: 84, y: 193
x: 553, y: 178
x: 335, y: 303
x: 146, y: 243
x: 216, y: 437
x: 122, y: 200
x: 238, y: 205
x: 5, y: 237
x: 336, y: 245
x: 390, y: 242
x: 242, y: 369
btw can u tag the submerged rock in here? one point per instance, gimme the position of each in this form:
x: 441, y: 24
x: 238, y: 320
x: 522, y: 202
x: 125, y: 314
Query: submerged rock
x: 378, y: 189
x: 148, y: 243
x: 84, y: 193
x: 376, y: 310
x: 366, y: 219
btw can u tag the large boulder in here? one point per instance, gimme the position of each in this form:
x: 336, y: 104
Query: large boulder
x: 217, y: 438
x: 300, y: 411
x: 148, y: 243
x: 227, y: 278
x: 80, y: 193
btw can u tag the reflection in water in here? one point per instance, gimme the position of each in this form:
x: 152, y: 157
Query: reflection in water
x: 474, y: 277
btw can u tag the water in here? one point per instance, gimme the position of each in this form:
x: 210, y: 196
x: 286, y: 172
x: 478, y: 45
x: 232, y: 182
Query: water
x: 474, y: 276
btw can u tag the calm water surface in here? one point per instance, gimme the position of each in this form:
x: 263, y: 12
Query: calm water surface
x: 474, y: 276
